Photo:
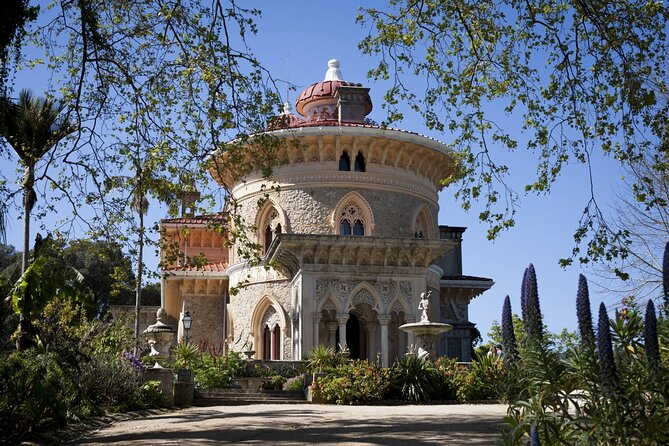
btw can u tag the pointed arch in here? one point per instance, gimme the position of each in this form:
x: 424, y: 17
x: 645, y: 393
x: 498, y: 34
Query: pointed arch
x: 268, y: 314
x: 364, y: 293
x: 422, y: 222
x: 270, y: 221
x: 354, y: 215
x: 398, y: 304
x: 344, y: 162
x: 329, y: 303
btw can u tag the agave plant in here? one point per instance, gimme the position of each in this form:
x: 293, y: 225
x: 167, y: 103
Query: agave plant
x: 413, y: 378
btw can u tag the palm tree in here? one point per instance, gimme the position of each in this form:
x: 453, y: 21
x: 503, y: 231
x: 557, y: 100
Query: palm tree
x: 32, y: 126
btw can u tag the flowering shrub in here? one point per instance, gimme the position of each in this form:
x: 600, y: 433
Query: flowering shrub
x: 357, y: 382
x: 294, y: 384
x: 612, y: 388
x: 134, y: 361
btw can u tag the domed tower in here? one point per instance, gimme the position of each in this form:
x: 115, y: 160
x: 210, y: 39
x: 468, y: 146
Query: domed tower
x: 348, y: 231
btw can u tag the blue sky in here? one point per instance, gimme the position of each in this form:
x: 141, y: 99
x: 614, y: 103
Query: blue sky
x: 295, y: 41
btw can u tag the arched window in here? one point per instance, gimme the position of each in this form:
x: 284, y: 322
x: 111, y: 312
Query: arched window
x: 270, y: 224
x: 344, y: 162
x: 352, y: 220
x: 422, y: 225
x: 268, y: 238
x: 345, y: 228
x: 267, y: 344
x: 353, y: 216
x: 276, y: 342
x: 359, y: 163
x: 269, y: 326
x: 358, y: 228
x: 271, y: 335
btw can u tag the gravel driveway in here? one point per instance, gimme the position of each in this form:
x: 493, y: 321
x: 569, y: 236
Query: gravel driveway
x: 310, y: 424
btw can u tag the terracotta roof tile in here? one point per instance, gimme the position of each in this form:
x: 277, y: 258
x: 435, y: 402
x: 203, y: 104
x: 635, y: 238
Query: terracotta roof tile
x: 198, y: 219
x: 209, y: 267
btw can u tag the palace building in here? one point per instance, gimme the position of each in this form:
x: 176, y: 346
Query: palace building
x: 349, y: 236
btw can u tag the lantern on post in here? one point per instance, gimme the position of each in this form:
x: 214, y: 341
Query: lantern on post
x: 187, y: 321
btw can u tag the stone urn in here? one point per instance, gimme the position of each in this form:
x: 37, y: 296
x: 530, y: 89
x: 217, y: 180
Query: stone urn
x: 160, y: 337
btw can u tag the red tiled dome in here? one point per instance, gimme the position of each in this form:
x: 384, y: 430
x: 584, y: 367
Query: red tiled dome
x: 323, y: 93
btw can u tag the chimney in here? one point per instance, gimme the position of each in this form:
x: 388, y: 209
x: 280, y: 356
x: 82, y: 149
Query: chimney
x: 451, y: 262
x: 189, y: 197
x: 353, y: 103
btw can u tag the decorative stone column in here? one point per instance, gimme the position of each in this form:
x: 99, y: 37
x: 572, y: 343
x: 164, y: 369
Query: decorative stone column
x: 332, y: 328
x: 383, y: 320
x: 371, y: 341
x: 317, y: 323
x: 342, y: 318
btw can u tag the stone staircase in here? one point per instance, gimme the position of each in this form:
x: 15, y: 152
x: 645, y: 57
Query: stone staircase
x: 233, y: 397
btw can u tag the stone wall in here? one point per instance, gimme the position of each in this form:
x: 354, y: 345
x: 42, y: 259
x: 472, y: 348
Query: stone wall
x: 207, y: 314
x: 147, y: 315
x: 310, y: 211
x: 243, y: 306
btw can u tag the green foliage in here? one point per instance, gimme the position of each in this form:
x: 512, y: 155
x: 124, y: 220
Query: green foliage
x: 46, y: 278
x: 294, y: 384
x: 107, y: 271
x: 357, y: 382
x: 213, y: 369
x: 322, y: 358
x: 413, y: 378
x: 35, y: 394
x: 446, y: 370
x: 149, y: 395
x: 578, y: 76
x: 275, y: 382
x: 108, y: 381
x: 562, y: 394
x: 481, y: 381
x: 185, y: 355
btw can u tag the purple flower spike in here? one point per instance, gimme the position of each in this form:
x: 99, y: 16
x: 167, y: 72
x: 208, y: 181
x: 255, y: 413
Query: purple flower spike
x: 665, y: 276
x: 534, y: 436
x: 583, y: 313
x: 607, y: 366
x: 530, y: 294
x: 508, y: 335
x: 650, y: 335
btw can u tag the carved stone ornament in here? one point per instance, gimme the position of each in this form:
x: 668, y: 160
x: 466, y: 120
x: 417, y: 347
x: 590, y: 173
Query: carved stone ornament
x: 160, y: 337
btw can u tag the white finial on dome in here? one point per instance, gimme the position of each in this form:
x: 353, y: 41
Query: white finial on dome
x: 287, y: 109
x: 333, y: 73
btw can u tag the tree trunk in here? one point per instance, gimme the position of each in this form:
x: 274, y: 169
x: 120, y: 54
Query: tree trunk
x: 24, y: 338
x: 138, y: 281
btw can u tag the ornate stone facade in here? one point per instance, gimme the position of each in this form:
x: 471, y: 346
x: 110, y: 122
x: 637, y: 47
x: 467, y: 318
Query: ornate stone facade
x: 348, y: 223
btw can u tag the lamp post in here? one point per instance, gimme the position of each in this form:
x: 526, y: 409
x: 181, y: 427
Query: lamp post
x: 186, y: 320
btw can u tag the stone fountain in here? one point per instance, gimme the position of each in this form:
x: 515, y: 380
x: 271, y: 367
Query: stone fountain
x: 426, y: 332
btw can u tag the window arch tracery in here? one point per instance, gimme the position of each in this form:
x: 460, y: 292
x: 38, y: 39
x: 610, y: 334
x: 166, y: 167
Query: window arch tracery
x: 422, y: 225
x: 270, y: 224
x: 353, y: 216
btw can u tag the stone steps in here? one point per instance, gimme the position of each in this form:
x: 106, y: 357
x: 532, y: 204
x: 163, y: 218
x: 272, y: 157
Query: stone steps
x: 230, y: 397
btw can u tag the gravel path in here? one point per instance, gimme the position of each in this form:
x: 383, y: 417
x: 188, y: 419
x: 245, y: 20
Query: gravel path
x: 310, y: 424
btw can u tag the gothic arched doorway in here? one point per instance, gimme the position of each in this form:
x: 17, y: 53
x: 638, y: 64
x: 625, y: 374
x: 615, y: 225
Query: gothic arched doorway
x: 353, y: 336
